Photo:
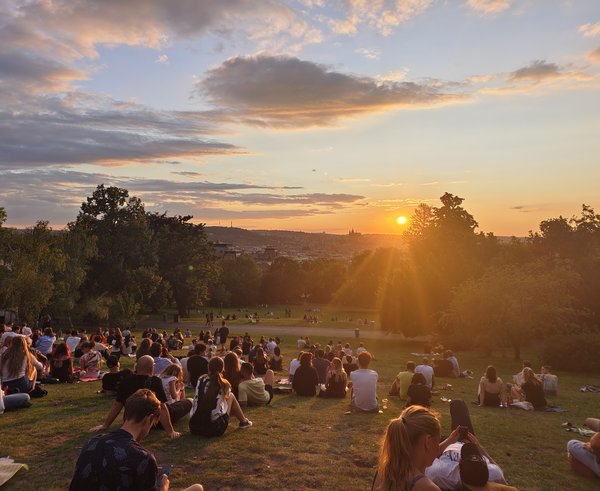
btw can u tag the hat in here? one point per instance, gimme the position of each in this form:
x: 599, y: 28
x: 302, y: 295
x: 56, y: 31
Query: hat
x: 473, y: 468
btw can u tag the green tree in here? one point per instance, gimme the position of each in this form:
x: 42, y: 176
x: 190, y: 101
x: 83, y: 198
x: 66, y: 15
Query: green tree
x: 512, y: 305
x: 240, y: 281
x: 323, y: 278
x: 283, y: 282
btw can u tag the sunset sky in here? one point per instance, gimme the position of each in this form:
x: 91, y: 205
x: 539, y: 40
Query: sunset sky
x: 307, y: 115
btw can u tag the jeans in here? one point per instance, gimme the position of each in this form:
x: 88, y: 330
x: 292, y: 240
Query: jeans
x: 22, y: 385
x: 576, y: 450
x: 14, y: 401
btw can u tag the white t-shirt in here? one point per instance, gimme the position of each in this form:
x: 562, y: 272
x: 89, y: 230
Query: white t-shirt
x: 360, y: 350
x: 444, y: 470
x: 364, y: 389
x: 427, y: 371
x: 270, y: 348
x: 301, y: 344
x: 21, y: 373
x: 72, y: 342
x: 26, y: 331
x: 294, y: 364
x: 166, y: 381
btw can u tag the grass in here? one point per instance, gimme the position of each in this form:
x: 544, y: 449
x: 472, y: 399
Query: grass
x: 303, y: 443
x: 274, y: 315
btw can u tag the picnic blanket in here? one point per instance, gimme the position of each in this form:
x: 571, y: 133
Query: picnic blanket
x: 590, y: 388
x: 551, y: 408
x: 92, y: 379
x: 580, y: 431
x: 8, y: 468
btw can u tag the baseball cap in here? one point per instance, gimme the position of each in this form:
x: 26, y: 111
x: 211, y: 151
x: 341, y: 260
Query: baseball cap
x: 473, y: 468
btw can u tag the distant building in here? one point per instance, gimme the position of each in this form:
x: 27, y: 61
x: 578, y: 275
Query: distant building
x: 353, y: 233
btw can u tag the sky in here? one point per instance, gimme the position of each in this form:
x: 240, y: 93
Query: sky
x: 313, y: 115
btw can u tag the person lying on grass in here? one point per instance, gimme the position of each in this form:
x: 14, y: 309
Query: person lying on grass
x: 585, y: 457
x: 144, y: 378
x: 117, y: 460
x: 255, y: 391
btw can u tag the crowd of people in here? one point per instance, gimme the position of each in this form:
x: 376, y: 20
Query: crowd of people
x: 228, y: 373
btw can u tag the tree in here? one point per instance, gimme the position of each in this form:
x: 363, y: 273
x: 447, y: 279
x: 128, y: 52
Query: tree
x: 186, y: 259
x: 512, y: 305
x: 283, y: 282
x: 323, y: 278
x: 240, y: 280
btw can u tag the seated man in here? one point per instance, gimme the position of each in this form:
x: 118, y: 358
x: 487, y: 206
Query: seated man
x: 112, y: 379
x: 363, y: 383
x: 585, y: 457
x: 144, y: 378
x: 255, y: 391
x: 402, y: 381
x: 197, y: 364
x: 426, y: 370
x: 550, y: 381
x: 117, y: 460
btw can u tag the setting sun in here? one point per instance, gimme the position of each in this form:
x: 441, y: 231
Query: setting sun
x: 401, y: 220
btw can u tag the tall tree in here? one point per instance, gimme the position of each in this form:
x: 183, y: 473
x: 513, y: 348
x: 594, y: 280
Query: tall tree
x: 283, y: 282
x: 240, y: 280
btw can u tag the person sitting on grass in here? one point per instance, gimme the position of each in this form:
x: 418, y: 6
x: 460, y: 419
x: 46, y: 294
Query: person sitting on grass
x: 13, y: 401
x: 402, y: 381
x: 335, y: 384
x: 306, y: 378
x: 321, y: 365
x: 255, y: 391
x: 418, y: 393
x: 276, y: 360
x: 363, y: 383
x: 294, y: 364
x: 260, y: 362
x: 532, y: 389
x: 550, y: 381
x: 427, y: 371
x: 162, y: 357
x: 90, y: 361
x: 491, y: 389
x: 144, y: 378
x: 117, y: 460
x: 214, y: 403
x: 112, y: 379
x: 348, y: 363
x: 585, y: 457
x: 143, y: 348
x: 232, y: 371
x: 61, y: 364
x: 172, y: 380
x: 411, y: 443
x: 18, y: 367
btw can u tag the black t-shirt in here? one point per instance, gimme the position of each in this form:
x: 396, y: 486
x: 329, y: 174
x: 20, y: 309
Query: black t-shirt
x: 112, y: 381
x: 534, y: 393
x: 419, y: 395
x: 305, y: 381
x: 129, y: 385
x: 197, y: 365
x: 115, y: 461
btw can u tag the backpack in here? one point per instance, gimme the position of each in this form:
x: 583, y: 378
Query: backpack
x: 200, y: 421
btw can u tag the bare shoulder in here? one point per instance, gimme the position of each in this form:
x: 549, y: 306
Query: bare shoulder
x: 425, y: 484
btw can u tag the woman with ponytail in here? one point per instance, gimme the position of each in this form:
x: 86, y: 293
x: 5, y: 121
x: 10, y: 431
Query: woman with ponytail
x: 214, y: 403
x: 410, y: 444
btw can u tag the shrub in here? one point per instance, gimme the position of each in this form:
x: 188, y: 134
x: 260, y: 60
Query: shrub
x: 576, y: 351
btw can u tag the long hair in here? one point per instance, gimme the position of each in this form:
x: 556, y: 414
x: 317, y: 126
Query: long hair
x: 336, y: 372
x: 395, y: 459
x: 529, y: 376
x: 232, y: 368
x: 143, y: 348
x: 59, y: 352
x: 217, y: 384
x: 490, y: 374
x: 13, y: 358
x: 173, y: 370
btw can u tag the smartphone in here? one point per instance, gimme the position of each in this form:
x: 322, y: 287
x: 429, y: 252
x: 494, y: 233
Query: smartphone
x: 464, y: 432
x: 166, y: 470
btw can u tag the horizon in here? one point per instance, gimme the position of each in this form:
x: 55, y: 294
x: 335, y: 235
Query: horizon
x: 302, y: 115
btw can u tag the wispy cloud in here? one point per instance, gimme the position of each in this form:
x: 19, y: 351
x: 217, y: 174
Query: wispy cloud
x: 162, y: 59
x: 590, y: 30
x: 369, y: 54
x: 352, y: 179
x: 489, y: 6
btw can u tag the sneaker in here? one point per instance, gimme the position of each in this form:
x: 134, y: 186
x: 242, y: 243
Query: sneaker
x: 246, y: 424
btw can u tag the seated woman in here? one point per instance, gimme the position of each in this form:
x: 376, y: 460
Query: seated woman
x: 410, y: 445
x: 13, y: 401
x: 143, y: 348
x: 276, y: 360
x: 336, y: 382
x: 172, y: 381
x: 232, y: 371
x: 214, y: 403
x: 532, y: 389
x: 61, y: 365
x: 491, y: 389
x: 306, y: 378
x: 89, y: 362
x: 585, y: 457
x: 418, y: 393
x: 18, y: 368
x: 260, y: 362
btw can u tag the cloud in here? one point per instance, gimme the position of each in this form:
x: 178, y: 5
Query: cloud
x: 380, y: 15
x: 590, y: 30
x: 287, y: 92
x: 594, y: 56
x: 162, y: 59
x: 93, y: 129
x: 537, y: 71
x: 32, y: 195
x: 369, y: 54
x: 489, y: 6
x: 352, y: 179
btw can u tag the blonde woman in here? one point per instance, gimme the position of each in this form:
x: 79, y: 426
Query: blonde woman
x: 18, y: 367
x: 336, y: 382
x: 172, y: 380
x: 410, y: 445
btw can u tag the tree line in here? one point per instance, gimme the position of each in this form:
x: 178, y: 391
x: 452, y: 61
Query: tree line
x: 470, y: 289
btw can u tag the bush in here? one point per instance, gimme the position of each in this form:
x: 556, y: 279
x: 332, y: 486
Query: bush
x: 574, y: 352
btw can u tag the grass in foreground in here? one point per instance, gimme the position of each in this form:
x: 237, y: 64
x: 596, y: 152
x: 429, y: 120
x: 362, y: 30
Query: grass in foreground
x: 303, y: 443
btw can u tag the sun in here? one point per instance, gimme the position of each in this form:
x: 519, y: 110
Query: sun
x: 401, y: 220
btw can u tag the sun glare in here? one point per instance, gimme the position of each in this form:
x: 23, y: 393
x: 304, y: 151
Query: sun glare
x: 401, y: 220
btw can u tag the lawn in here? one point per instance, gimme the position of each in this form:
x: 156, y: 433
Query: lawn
x: 303, y: 443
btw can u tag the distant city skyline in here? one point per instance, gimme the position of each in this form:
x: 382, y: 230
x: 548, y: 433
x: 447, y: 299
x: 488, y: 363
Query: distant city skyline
x: 306, y: 115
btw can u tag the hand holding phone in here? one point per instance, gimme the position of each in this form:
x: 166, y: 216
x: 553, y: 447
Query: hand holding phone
x: 166, y: 470
x: 464, y: 432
